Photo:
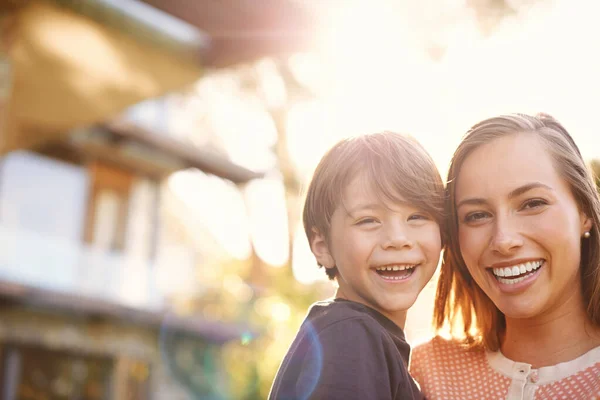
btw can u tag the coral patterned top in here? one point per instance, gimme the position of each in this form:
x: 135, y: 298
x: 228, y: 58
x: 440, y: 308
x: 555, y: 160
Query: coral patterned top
x: 446, y: 370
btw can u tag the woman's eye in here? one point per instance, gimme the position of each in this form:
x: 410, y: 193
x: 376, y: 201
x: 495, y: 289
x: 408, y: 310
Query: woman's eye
x: 475, y: 216
x: 533, y: 203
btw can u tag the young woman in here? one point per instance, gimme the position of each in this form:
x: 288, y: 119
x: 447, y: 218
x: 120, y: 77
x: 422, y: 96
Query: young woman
x: 520, y: 281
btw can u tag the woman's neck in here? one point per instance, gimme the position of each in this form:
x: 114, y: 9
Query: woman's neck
x: 560, y: 336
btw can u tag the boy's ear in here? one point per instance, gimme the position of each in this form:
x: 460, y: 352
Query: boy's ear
x: 320, y: 248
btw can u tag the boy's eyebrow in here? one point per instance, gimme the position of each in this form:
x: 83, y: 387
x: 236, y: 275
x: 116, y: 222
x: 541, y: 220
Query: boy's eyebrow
x: 361, y: 207
x: 514, y: 193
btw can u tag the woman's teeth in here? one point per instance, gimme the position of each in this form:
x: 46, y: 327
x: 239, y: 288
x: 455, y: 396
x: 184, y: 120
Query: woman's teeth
x: 516, y: 273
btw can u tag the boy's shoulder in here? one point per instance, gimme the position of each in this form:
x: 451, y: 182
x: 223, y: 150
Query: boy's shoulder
x: 339, y: 325
x: 335, y: 314
x: 327, y: 312
x: 341, y: 352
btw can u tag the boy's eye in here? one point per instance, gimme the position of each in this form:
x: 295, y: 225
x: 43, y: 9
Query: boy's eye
x: 419, y: 216
x: 366, y: 221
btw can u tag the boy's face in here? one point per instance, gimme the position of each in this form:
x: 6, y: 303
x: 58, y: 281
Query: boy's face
x: 385, y: 252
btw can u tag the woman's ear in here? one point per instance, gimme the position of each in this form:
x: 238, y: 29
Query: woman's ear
x: 586, y: 224
x: 320, y: 248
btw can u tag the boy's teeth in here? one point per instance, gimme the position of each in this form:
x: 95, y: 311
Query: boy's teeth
x: 508, y: 272
x: 398, y: 267
x: 398, y: 272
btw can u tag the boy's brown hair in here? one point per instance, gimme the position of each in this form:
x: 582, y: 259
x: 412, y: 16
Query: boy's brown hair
x: 395, y: 166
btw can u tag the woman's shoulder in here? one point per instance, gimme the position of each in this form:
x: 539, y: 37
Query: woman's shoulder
x: 440, y: 360
x: 440, y: 343
x: 440, y: 349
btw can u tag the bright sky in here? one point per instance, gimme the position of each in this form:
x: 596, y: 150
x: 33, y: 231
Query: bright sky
x: 374, y: 73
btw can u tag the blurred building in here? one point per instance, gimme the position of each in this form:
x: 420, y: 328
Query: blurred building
x: 85, y: 261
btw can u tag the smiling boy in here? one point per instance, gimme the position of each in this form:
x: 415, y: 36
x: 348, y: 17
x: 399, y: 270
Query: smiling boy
x: 372, y: 217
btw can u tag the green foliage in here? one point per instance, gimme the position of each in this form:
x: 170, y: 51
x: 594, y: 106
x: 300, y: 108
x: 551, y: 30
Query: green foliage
x: 595, y: 167
x: 274, y: 314
x: 270, y: 302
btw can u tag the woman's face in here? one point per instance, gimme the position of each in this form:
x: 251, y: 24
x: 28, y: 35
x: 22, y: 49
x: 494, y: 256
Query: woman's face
x: 519, y: 227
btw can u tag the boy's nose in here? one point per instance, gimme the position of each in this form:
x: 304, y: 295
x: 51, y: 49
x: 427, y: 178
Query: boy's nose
x: 397, y: 239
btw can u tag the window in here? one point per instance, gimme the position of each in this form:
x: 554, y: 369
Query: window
x: 35, y: 373
x: 107, y: 207
x: 122, y: 211
x: 42, y: 195
x: 31, y: 373
x: 133, y: 379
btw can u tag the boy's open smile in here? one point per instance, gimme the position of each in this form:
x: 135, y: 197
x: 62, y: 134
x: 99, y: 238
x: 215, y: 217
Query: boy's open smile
x: 396, y: 272
x: 385, y: 252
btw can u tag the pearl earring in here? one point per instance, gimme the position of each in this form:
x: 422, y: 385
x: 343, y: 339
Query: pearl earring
x: 586, y: 234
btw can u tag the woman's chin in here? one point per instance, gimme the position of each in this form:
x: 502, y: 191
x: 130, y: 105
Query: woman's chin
x: 518, y: 311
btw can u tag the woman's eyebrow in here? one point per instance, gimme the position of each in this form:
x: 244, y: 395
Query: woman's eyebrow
x: 472, y: 201
x: 527, y: 187
x: 514, y: 193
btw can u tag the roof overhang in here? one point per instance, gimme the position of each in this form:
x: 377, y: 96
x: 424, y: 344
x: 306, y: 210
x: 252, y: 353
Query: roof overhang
x: 242, y: 31
x: 42, y: 299
x: 70, y: 71
x: 153, y: 153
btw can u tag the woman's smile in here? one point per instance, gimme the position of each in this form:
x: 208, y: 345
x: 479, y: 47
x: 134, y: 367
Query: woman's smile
x: 520, y: 221
x: 516, y: 276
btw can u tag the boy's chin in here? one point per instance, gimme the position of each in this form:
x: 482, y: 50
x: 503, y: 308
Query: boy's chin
x: 398, y: 305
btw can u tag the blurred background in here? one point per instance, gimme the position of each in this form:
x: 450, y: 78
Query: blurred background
x: 154, y: 156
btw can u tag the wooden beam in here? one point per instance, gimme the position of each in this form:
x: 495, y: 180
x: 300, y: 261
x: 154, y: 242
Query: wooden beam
x: 191, y: 155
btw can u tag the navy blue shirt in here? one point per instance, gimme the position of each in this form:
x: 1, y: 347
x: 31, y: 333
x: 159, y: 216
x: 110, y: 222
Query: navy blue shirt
x: 346, y: 350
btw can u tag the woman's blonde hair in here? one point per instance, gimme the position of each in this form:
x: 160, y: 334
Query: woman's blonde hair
x: 460, y: 303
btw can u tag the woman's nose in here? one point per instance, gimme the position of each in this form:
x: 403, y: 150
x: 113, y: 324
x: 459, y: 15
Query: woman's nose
x: 506, y: 239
